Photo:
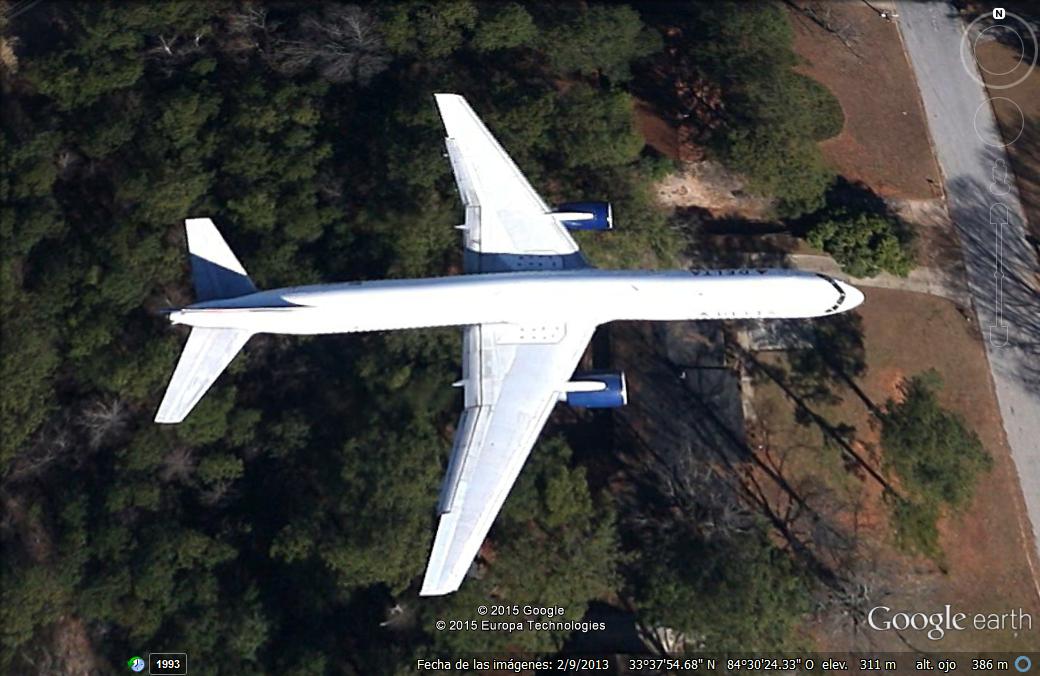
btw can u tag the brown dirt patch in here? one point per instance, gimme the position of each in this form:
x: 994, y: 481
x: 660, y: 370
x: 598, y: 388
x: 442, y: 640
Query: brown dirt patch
x: 885, y: 140
x: 73, y: 650
x: 656, y: 131
x: 1024, y: 152
x: 710, y: 186
x: 889, y: 379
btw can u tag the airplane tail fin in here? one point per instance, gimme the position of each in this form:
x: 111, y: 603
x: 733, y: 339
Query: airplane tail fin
x: 214, y: 268
x: 217, y: 274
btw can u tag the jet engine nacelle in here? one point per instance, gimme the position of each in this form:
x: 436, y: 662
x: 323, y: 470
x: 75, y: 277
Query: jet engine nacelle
x: 586, y: 215
x: 597, y: 389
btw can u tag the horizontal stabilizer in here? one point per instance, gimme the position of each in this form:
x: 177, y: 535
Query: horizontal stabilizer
x: 206, y: 354
x: 215, y: 270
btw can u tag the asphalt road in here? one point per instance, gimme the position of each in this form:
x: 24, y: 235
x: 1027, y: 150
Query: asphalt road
x: 984, y: 205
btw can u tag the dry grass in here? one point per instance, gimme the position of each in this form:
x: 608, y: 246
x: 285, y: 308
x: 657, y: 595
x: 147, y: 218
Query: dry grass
x: 885, y: 140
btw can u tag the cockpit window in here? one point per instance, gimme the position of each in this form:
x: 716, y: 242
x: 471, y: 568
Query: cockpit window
x: 837, y: 287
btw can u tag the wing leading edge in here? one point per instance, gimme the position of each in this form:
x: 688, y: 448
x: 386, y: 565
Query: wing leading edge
x: 511, y: 388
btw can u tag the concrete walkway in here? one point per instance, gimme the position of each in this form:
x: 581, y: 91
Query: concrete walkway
x: 921, y: 280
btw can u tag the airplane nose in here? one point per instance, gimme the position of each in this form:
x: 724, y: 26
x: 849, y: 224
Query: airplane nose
x: 853, y: 296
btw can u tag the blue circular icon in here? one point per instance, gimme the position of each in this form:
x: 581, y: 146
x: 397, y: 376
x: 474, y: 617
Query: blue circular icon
x: 136, y: 664
x: 1023, y: 664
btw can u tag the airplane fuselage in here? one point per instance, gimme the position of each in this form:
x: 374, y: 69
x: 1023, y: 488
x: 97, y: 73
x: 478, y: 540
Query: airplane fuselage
x: 542, y: 297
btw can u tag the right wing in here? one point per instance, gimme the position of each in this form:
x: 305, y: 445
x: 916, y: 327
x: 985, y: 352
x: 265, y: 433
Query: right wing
x: 504, y: 214
x: 513, y: 377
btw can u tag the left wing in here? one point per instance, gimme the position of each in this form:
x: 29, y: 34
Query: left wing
x: 504, y: 214
x: 513, y: 377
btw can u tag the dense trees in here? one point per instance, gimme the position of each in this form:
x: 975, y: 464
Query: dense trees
x: 316, y: 463
x: 599, y: 40
x: 774, y: 116
x: 295, y: 505
x: 723, y: 593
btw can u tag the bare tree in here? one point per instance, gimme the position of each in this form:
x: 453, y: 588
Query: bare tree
x: 824, y: 16
x: 215, y: 493
x: 178, y: 464
x: 248, y: 19
x: 866, y: 580
x: 247, y: 30
x: 103, y: 420
x: 52, y: 443
x: 343, y: 43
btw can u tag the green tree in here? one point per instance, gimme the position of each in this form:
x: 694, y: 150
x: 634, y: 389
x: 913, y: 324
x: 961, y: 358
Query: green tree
x: 31, y: 216
x: 503, y: 26
x: 643, y: 236
x: 600, y: 40
x: 865, y: 244
x: 428, y: 30
x: 740, y: 42
x: 107, y: 50
x: 935, y: 455
x: 595, y: 130
x: 383, y: 508
x: 737, y: 593
x: 774, y: 115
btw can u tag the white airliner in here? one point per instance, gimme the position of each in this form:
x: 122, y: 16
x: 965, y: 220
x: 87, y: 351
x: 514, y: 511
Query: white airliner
x: 528, y: 305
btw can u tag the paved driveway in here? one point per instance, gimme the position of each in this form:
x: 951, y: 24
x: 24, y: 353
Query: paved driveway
x: 989, y: 221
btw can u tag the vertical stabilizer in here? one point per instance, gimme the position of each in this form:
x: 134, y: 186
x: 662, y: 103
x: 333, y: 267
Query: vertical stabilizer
x: 214, y: 268
x: 206, y: 354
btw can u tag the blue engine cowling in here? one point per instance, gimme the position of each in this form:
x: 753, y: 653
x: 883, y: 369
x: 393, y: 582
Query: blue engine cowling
x: 597, y: 389
x: 586, y: 215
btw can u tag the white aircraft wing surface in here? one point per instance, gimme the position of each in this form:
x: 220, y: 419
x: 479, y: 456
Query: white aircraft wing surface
x: 513, y: 376
x: 504, y: 214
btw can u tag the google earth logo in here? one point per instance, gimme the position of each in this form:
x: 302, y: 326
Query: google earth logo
x: 135, y: 663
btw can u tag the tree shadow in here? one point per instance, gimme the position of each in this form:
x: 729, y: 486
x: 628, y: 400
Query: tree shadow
x: 731, y: 242
x: 838, y: 357
x: 1002, y: 268
x: 851, y: 196
x: 1025, y: 152
x: 813, y: 379
x: 686, y: 463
